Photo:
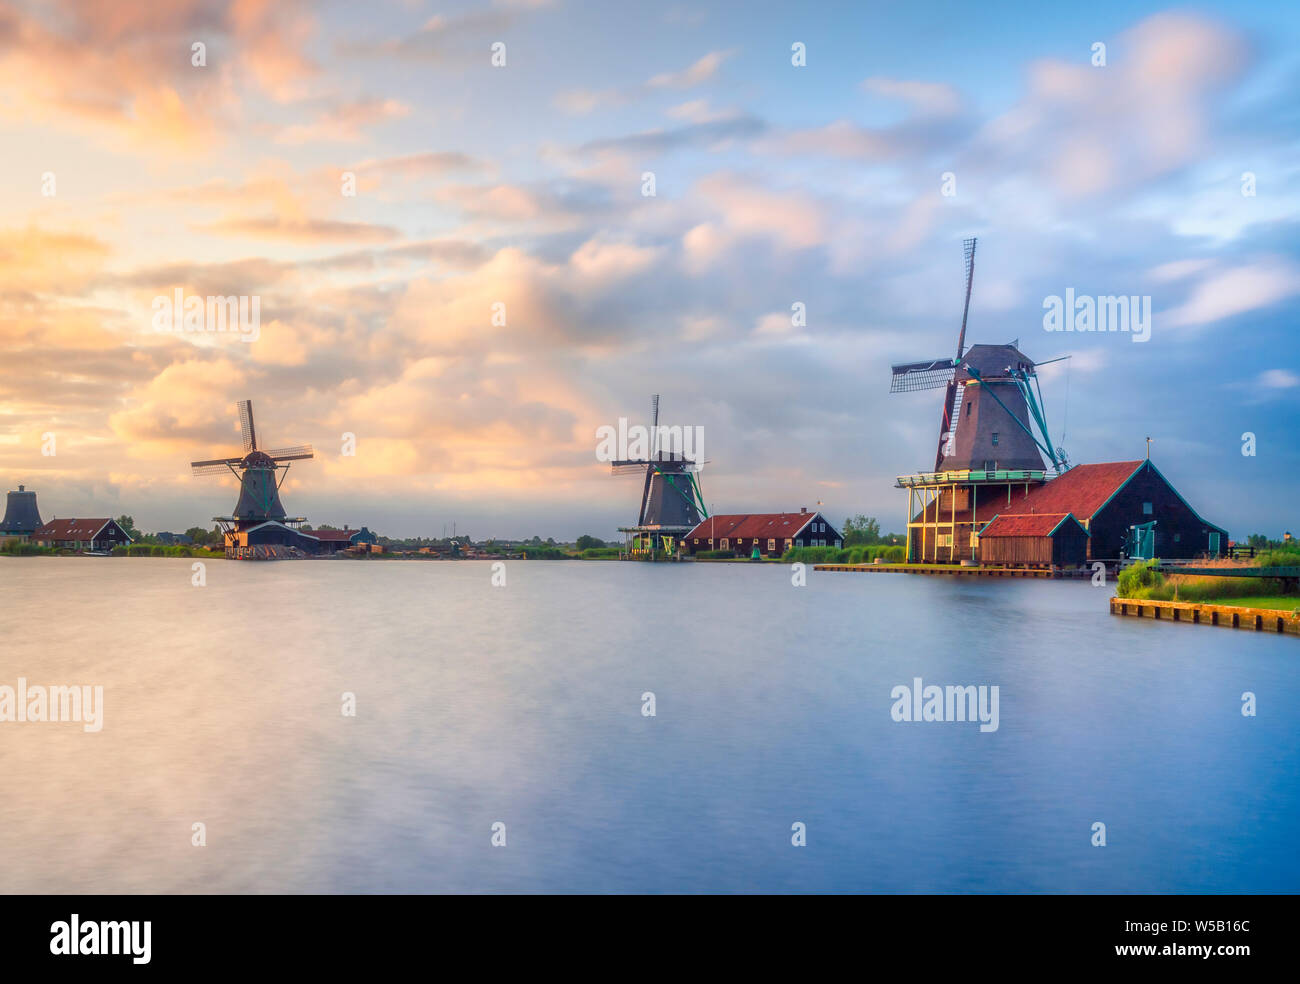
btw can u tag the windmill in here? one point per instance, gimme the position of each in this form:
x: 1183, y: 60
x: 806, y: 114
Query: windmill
x: 992, y: 433
x: 992, y: 402
x: 259, y: 485
x: 671, y: 501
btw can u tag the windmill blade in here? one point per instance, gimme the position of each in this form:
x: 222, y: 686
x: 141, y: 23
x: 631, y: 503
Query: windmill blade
x: 968, y: 251
x: 292, y: 454
x: 246, y: 425
x: 628, y: 467
x: 200, y: 468
x: 654, y: 424
x: 909, y: 377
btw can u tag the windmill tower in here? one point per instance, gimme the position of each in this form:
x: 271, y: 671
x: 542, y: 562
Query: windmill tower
x: 21, y: 515
x: 992, y: 439
x: 260, y: 474
x: 671, y: 501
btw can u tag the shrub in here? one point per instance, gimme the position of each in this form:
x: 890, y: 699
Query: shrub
x: 535, y: 552
x: 1140, y: 580
x: 1287, y: 557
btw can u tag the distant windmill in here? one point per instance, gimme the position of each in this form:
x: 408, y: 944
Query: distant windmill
x: 259, y: 487
x: 991, y: 404
x: 671, y: 501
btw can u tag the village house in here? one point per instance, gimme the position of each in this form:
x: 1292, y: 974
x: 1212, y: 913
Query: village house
x: 772, y: 534
x: 81, y: 534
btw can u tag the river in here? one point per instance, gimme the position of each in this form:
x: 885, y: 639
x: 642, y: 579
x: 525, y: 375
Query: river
x: 522, y: 705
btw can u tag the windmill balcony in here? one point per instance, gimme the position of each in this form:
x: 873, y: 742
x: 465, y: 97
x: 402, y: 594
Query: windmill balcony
x: 968, y: 476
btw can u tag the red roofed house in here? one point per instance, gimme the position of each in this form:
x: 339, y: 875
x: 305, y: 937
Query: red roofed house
x: 81, y: 534
x: 1034, y: 540
x: 1127, y: 508
x: 772, y: 533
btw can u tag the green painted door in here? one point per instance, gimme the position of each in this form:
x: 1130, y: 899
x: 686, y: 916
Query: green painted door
x: 1142, y: 543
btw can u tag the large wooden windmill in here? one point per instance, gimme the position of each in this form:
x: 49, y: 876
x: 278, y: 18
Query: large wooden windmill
x: 671, y: 501
x: 260, y: 474
x: 993, y: 438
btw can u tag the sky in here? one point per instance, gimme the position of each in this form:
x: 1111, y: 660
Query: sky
x: 444, y: 211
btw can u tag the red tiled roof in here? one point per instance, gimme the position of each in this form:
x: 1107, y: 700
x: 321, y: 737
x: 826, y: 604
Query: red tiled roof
x: 748, y: 526
x: 331, y: 534
x: 1082, y: 490
x: 70, y: 529
x: 1024, y: 524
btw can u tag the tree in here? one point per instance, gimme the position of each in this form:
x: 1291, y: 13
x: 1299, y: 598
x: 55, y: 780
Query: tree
x: 586, y: 542
x: 861, y: 530
x: 128, y: 527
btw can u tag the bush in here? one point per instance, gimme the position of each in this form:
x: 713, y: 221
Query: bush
x: 815, y: 555
x: 25, y: 548
x: 600, y: 553
x: 858, y: 554
x: 1286, y: 557
x: 534, y: 552
x: 1140, y: 580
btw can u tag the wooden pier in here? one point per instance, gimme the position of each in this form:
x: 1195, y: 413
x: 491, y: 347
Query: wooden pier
x: 950, y: 570
x: 1227, y: 616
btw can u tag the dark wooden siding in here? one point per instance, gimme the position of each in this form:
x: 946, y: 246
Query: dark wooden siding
x: 1179, y: 533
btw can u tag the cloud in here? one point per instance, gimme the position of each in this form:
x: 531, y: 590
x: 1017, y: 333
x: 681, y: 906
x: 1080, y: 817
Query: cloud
x: 931, y: 98
x: 659, y: 141
x: 344, y: 122
x: 1238, y: 290
x: 580, y: 102
x: 700, y: 71
x: 1279, y: 379
x: 1148, y: 111
x: 303, y: 230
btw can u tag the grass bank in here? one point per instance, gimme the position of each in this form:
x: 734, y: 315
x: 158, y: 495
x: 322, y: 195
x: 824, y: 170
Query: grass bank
x: 1142, y: 582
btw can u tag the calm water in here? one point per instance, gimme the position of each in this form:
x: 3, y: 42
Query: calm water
x: 522, y: 704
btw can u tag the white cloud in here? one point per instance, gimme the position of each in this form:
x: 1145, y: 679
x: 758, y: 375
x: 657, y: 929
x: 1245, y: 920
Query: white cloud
x: 1279, y: 379
x: 1235, y: 291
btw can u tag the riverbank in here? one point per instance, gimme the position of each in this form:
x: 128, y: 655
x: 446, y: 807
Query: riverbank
x: 1198, y: 613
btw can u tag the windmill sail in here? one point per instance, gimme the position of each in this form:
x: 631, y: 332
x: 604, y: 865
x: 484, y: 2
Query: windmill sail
x: 246, y: 425
x: 912, y: 376
x: 968, y: 252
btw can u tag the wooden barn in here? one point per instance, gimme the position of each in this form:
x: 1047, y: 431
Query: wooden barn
x: 1128, y: 509
x: 1033, y: 540
x: 772, y: 534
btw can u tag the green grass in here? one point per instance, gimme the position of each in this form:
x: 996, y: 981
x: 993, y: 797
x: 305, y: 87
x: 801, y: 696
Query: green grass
x: 1142, y: 582
x: 1281, y: 603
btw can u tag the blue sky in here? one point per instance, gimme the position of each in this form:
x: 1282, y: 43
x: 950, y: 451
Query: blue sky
x: 522, y: 184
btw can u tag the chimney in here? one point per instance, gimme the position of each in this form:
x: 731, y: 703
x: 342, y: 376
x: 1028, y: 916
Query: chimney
x: 803, y: 510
